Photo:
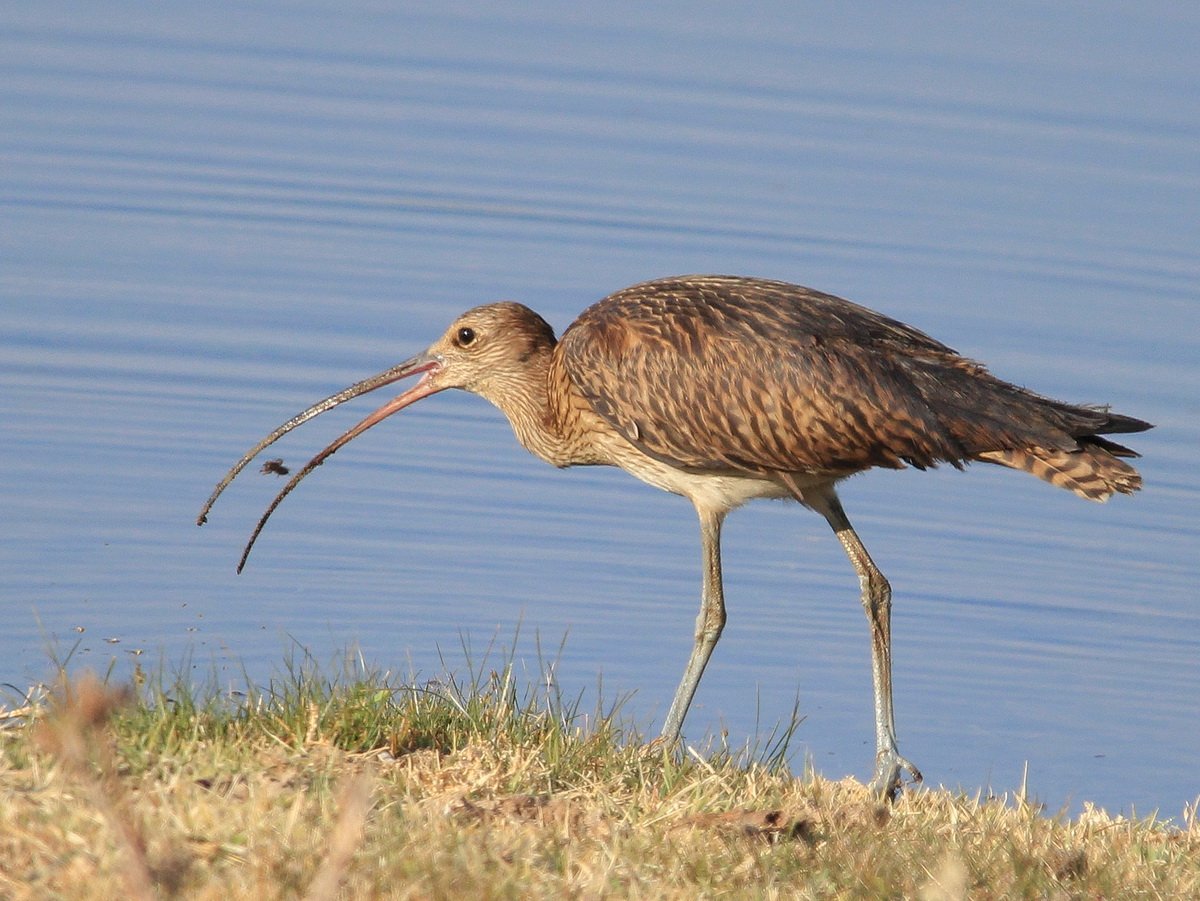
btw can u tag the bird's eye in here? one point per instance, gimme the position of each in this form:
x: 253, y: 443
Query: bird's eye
x: 465, y: 336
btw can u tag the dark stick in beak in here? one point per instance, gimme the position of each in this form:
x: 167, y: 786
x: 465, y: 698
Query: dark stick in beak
x: 426, y: 364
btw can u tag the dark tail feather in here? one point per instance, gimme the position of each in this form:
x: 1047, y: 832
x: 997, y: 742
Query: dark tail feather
x: 1085, y: 422
x: 1117, y: 450
x: 1116, y: 424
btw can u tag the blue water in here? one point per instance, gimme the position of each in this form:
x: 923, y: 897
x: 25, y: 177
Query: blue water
x: 211, y: 217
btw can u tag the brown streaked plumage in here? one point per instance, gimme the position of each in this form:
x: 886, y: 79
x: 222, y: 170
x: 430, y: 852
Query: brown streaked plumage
x: 726, y: 389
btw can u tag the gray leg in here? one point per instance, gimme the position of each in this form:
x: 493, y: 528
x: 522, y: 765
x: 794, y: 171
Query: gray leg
x: 877, y: 601
x: 708, y: 625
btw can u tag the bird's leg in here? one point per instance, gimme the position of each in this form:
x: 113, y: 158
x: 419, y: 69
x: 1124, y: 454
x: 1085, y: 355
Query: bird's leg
x: 877, y: 601
x: 708, y: 625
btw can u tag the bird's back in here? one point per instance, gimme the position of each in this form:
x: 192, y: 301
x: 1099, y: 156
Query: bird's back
x: 719, y: 373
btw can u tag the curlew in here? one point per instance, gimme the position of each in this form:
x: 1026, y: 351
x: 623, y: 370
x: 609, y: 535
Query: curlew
x: 725, y: 389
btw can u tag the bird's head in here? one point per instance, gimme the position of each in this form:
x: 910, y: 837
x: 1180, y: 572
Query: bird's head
x: 495, y: 351
x: 488, y: 350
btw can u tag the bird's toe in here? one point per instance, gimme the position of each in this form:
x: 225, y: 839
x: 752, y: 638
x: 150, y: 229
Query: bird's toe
x: 888, y: 781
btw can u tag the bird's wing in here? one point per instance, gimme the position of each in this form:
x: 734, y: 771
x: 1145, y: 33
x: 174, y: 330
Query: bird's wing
x: 748, y: 375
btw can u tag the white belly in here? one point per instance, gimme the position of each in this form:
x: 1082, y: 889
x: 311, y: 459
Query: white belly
x: 714, y: 491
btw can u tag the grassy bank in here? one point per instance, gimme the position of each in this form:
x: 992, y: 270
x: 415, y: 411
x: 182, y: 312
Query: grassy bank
x: 358, y: 787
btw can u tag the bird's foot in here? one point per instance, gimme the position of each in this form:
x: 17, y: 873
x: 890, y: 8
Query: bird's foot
x: 889, y: 771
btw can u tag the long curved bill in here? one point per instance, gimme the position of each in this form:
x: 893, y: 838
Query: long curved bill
x: 426, y: 364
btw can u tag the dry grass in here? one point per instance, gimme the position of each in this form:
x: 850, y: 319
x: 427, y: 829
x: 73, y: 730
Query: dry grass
x: 362, y: 789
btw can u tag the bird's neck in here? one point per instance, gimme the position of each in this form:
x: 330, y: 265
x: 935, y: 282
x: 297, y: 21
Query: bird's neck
x: 546, y: 412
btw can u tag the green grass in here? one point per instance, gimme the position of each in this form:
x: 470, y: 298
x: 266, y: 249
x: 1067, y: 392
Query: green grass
x: 482, y: 786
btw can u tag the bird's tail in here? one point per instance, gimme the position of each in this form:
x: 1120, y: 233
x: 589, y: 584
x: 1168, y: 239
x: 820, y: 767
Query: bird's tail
x: 1093, y: 470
